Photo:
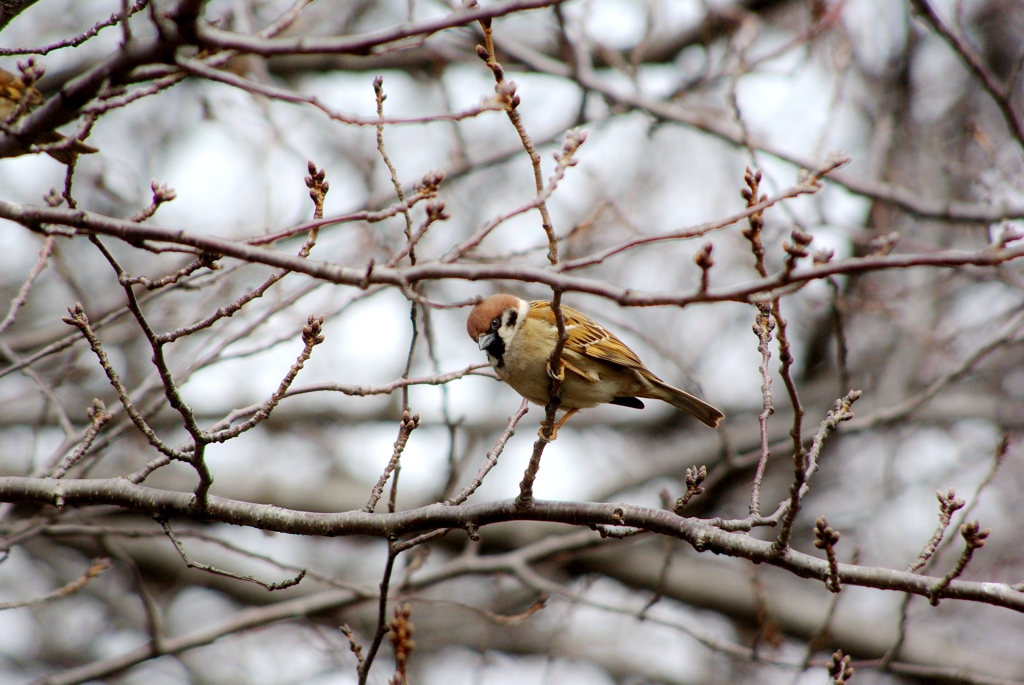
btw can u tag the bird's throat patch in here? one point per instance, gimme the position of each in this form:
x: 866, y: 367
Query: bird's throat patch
x: 497, y: 350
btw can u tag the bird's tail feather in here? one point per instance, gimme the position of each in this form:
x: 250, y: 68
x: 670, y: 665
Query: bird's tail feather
x: 695, y: 407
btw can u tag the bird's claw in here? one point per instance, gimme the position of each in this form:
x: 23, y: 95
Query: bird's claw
x: 548, y: 438
x: 560, y: 376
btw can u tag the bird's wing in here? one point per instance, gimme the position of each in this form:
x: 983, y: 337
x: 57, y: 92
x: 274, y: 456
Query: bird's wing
x: 13, y: 88
x: 590, y: 339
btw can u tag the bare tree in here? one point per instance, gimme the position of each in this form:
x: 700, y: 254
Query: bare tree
x: 203, y: 377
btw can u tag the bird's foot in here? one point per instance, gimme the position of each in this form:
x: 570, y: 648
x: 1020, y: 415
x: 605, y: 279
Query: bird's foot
x: 554, y: 429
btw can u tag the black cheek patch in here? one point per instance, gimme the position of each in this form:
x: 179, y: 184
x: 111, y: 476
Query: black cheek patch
x: 513, y: 316
x: 497, y: 350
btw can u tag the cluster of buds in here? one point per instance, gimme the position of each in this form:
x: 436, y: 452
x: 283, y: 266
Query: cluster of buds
x: 98, y: 413
x: 30, y: 71
x: 311, y: 332
x: 435, y: 211
x: 694, y: 477
x: 973, y: 535
x: 797, y: 249
x: 573, y: 140
x: 948, y: 504
x: 755, y: 221
x: 429, y: 183
x: 753, y: 181
x: 161, y: 193
x: 839, y: 668
x: 53, y: 198
x: 402, y: 642
x: 825, y: 537
x: 318, y: 187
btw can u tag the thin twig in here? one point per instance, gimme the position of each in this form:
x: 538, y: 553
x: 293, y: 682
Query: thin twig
x: 270, y: 587
x: 26, y: 286
x: 77, y: 317
x: 763, y: 327
x: 98, y: 417
x: 556, y: 374
x: 408, y: 424
x: 97, y: 567
x: 382, y: 626
x: 491, y: 459
x: 116, y: 18
x: 311, y: 337
x: 799, y: 487
x: 505, y: 92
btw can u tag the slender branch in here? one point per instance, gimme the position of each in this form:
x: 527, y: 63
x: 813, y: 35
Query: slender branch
x: 382, y: 626
x: 809, y: 464
x: 355, y: 390
x: 97, y: 567
x: 311, y: 337
x: 26, y: 286
x: 198, y: 68
x: 491, y: 460
x: 98, y: 417
x: 270, y: 587
x: 409, y: 423
x: 423, y: 193
x: 948, y: 505
x: 115, y: 18
x: 763, y: 327
x: 77, y: 317
x: 664, y: 110
x: 974, y: 537
x: 1005, y: 336
x: 154, y: 624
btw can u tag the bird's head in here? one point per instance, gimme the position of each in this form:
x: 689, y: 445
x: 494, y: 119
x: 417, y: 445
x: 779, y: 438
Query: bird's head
x: 493, y: 322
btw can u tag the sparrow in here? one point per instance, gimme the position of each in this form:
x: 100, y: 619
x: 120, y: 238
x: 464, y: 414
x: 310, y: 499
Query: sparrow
x: 12, y: 90
x: 519, y: 336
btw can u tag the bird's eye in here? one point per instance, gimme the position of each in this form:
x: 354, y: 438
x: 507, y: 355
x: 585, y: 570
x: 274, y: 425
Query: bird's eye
x: 495, y: 322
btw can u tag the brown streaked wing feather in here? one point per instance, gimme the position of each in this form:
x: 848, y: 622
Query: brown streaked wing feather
x: 12, y: 89
x: 589, y: 338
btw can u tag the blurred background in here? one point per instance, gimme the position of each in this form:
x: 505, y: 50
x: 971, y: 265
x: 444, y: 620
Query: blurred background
x: 677, y: 97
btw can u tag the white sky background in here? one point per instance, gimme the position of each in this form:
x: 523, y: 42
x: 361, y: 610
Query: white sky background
x: 237, y: 164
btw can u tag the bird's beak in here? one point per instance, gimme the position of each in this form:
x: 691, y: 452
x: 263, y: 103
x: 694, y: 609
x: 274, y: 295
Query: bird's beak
x: 485, y: 340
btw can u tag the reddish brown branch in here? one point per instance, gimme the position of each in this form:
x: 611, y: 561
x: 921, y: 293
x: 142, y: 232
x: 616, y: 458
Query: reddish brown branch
x: 757, y: 290
x: 702, y: 536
